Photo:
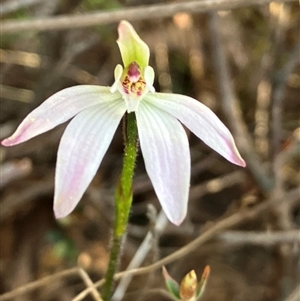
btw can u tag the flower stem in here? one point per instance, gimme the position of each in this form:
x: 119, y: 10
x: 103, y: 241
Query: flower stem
x: 123, y: 200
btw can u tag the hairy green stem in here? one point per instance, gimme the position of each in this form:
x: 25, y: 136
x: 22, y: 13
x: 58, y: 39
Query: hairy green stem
x: 123, y: 200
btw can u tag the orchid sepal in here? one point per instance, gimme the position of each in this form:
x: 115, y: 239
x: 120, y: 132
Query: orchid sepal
x: 132, y: 47
x: 201, y: 121
x: 57, y: 109
x: 81, y: 152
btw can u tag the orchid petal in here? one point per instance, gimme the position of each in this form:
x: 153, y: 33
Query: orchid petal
x: 149, y: 76
x: 201, y: 120
x: 57, y: 109
x: 166, y: 153
x: 132, y: 48
x: 81, y: 150
x: 118, y: 74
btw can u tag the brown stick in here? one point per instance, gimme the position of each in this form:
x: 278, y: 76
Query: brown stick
x: 131, y: 14
x: 232, y: 109
x: 224, y: 224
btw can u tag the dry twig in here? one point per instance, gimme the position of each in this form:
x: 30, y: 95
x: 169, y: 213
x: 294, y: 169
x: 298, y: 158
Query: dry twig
x: 139, y: 256
x: 39, y: 283
x: 131, y: 14
x: 89, y: 283
x: 294, y: 296
x: 261, y: 238
x: 279, y: 86
x: 232, y: 108
x: 220, y: 226
x: 13, y: 5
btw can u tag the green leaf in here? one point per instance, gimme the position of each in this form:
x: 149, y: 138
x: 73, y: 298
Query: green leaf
x: 172, y: 286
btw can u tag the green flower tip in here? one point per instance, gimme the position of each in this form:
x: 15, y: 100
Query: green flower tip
x: 171, y: 284
x: 189, y: 288
x: 132, y: 47
x: 203, y: 281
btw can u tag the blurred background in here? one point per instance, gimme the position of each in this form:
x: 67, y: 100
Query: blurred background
x: 257, y: 96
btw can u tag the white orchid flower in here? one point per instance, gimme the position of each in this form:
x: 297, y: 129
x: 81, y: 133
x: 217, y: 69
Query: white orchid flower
x: 98, y: 111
